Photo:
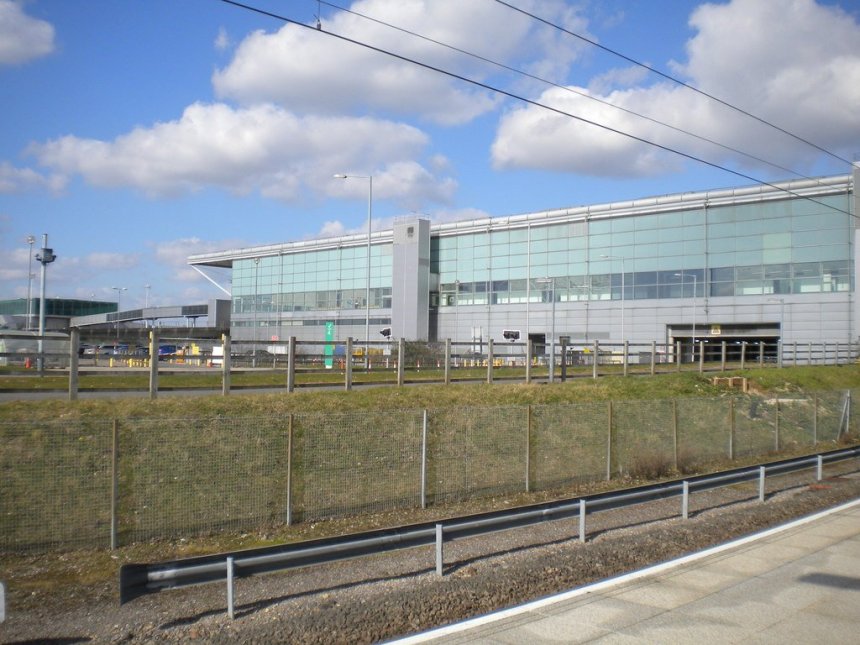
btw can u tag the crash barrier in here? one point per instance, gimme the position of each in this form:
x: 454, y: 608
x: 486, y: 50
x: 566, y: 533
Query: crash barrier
x: 141, y: 579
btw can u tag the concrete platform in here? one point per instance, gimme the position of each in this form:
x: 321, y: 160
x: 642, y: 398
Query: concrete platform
x: 798, y: 583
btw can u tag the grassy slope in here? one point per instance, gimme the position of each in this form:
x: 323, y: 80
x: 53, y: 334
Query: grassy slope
x: 685, y: 384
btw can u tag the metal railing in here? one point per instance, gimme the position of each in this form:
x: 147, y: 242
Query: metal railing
x: 141, y: 579
x: 295, y: 364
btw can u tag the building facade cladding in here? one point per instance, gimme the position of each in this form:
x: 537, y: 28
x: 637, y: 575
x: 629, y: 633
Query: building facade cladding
x: 764, y: 262
x: 776, y: 261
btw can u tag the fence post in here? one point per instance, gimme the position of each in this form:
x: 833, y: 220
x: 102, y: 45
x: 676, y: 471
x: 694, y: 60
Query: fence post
x: 624, y: 348
x: 447, y: 361
x: 401, y: 357
x: 230, y: 610
x: 595, y: 359
x: 732, y: 429
x: 779, y: 349
x: 563, y: 345
x: 347, y: 368
x: 529, y: 352
x: 762, y: 471
x: 723, y: 356
x: 153, y: 364
x: 528, y: 447
x: 675, y: 433
x: 225, y: 364
x: 819, y: 468
x: 490, y: 360
x: 701, y: 356
x: 815, y: 421
x: 609, y: 442
x: 678, y: 356
x: 653, y: 357
x: 685, y: 499
x: 776, y: 427
x: 761, y: 353
x: 439, y: 550
x: 424, y: 459
x: 582, y: 514
x: 743, y: 354
x: 291, y: 364
x: 114, y: 488
x: 290, y: 469
x: 74, y: 344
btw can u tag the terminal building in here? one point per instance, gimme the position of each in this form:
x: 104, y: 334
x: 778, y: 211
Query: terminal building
x: 758, y: 264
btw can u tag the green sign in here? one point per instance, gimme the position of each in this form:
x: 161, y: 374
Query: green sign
x: 328, y: 352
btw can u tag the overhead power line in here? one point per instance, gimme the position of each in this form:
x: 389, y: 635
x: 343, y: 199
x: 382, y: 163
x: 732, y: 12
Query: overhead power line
x: 674, y: 80
x: 565, y: 88
x: 526, y: 100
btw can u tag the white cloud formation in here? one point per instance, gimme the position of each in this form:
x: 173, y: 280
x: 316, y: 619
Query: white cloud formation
x: 19, y: 180
x: 22, y: 37
x: 222, y: 40
x: 113, y: 261
x: 260, y: 148
x: 740, y: 54
x: 343, y: 76
x: 174, y: 254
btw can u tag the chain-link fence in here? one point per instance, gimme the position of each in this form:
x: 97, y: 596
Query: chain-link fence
x: 106, y: 482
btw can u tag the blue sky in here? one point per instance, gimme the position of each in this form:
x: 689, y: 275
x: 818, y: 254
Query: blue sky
x: 138, y: 133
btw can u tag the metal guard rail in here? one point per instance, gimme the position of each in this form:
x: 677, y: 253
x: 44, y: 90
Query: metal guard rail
x: 141, y: 579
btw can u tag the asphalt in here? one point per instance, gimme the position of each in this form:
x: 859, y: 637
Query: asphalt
x: 797, y: 583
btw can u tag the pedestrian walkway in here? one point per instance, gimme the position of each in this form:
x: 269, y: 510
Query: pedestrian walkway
x: 798, y: 583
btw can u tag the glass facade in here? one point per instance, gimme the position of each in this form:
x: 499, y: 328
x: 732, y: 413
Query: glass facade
x: 322, y: 280
x: 776, y: 247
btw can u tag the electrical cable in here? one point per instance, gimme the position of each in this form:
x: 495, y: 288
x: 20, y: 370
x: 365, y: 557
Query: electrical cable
x: 566, y: 88
x: 528, y: 101
x: 674, y: 80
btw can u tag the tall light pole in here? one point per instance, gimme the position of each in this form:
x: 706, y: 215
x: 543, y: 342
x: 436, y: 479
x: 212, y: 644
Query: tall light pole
x: 45, y: 257
x: 623, y: 271
x: 119, y: 291
x: 683, y: 276
x: 551, y: 282
x: 369, y: 179
x: 31, y: 239
x: 780, y: 342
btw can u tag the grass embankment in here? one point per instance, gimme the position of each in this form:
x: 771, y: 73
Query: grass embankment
x: 684, y: 384
x: 32, y: 576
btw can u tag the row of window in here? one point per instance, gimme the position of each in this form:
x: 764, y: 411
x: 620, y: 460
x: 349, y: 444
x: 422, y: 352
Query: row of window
x: 343, y: 299
x: 726, y: 281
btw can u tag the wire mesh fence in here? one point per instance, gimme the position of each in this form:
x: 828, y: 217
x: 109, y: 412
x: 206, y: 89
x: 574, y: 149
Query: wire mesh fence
x: 98, y: 483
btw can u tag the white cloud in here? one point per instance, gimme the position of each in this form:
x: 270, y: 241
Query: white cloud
x: 261, y: 148
x: 174, y: 254
x: 274, y: 66
x: 739, y: 54
x: 333, y: 228
x: 222, y: 40
x: 22, y: 37
x: 113, y: 261
x: 18, y: 180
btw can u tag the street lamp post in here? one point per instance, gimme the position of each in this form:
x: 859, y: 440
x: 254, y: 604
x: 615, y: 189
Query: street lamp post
x: 119, y: 291
x: 367, y: 293
x: 683, y: 276
x: 31, y: 239
x: 781, y: 340
x: 623, y: 271
x: 551, y: 282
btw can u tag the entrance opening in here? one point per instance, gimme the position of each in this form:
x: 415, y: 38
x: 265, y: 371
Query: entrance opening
x: 755, y: 342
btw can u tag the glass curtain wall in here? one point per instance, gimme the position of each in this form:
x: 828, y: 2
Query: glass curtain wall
x: 325, y: 280
x: 781, y: 247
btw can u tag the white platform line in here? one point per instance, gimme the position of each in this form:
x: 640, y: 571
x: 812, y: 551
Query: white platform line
x: 611, y: 582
